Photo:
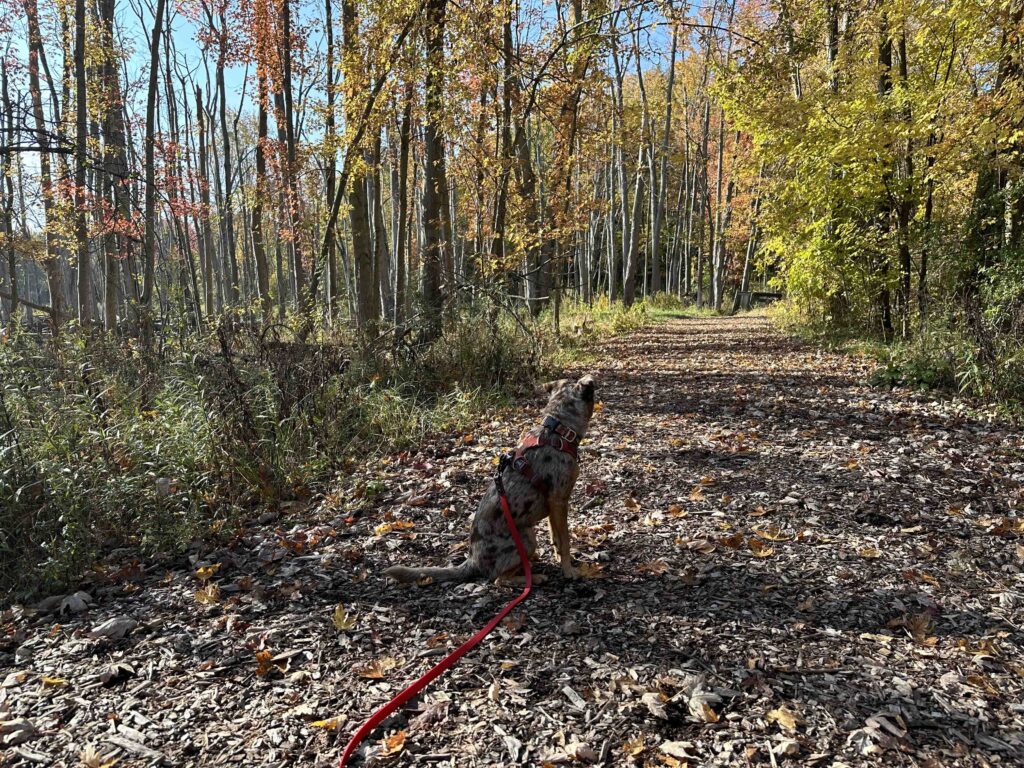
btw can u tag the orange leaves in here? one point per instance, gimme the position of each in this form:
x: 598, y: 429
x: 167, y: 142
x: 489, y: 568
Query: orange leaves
x: 394, y: 525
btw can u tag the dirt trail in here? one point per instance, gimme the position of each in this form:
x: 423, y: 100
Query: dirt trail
x: 778, y: 556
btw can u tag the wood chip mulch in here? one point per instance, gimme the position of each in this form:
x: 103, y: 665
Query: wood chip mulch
x: 784, y: 566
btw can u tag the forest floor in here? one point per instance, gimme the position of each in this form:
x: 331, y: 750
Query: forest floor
x: 783, y: 566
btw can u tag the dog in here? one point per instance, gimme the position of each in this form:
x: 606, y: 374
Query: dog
x: 537, y: 485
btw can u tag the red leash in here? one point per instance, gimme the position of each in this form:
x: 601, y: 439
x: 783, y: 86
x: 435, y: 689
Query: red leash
x: 449, y: 661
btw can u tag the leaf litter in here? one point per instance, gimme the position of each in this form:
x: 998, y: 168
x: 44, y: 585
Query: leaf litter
x: 828, y: 574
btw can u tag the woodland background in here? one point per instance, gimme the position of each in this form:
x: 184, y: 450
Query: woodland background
x: 245, y: 244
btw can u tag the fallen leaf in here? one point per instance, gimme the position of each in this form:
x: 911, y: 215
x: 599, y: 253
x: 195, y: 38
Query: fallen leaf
x: 680, y: 749
x: 733, y: 541
x: 591, y: 570
x: 114, y: 628
x: 786, y: 718
x: 634, y: 747
x: 772, y: 533
x: 655, y: 567
x: 330, y: 724
x: 91, y: 758
x: 341, y: 619
x: 55, y: 682
x: 869, y: 552
x: 759, y: 549
x: 394, y: 744
x: 204, y: 573
x: 378, y: 668
x: 208, y: 595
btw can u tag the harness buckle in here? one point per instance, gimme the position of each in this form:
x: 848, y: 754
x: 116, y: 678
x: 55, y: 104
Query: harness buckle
x: 518, y: 463
x: 569, y: 434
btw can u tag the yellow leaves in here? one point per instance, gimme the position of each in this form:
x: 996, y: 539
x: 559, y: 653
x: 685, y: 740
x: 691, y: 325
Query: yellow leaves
x: 91, y: 758
x: 393, y: 744
x: 704, y: 711
x: 342, y: 620
x: 876, y: 638
x: 634, y: 747
x: 785, y: 718
x: 378, y: 668
x: 208, y: 595
x: 982, y: 683
x: 55, y: 682
x: 759, y: 549
x: 207, y: 571
x: 869, y: 553
x: 394, y: 525
x: 772, y: 533
x: 598, y: 406
x: 330, y: 724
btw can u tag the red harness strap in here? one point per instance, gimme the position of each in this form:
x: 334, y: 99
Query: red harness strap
x: 448, y: 661
x: 554, y: 434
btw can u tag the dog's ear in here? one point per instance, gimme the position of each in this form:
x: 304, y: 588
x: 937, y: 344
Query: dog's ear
x: 586, y: 385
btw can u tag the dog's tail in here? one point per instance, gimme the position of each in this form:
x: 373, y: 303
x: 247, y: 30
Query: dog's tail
x: 465, y: 572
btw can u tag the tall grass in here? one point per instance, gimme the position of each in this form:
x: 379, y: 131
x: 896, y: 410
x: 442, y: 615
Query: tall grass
x: 104, y: 445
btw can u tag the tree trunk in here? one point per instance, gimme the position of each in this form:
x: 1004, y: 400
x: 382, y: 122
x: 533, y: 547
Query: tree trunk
x: 85, y: 296
x: 52, y: 263
x: 149, y: 214
x: 659, y: 209
x: 435, y: 192
x: 258, y: 244
x: 333, y: 284
x: 230, y: 272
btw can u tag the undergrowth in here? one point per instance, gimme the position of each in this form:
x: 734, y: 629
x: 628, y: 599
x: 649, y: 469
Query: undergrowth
x: 978, y: 354
x: 106, y: 445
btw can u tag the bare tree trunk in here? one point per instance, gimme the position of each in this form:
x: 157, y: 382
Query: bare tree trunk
x: 85, y: 297
x: 230, y: 272
x: 209, y: 253
x: 435, y: 193
x: 52, y: 263
x: 305, y: 303
x: 333, y: 284
x: 905, y: 208
x: 402, y: 236
x: 883, y: 223
x: 258, y: 244
x: 149, y: 214
x: 380, y: 237
x: 633, y: 257
x: 659, y: 208
x: 8, y: 281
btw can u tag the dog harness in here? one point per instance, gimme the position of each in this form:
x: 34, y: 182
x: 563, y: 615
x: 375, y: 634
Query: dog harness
x: 553, y: 433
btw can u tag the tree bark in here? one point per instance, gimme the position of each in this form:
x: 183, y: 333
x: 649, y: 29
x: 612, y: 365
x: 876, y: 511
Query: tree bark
x: 435, y: 193
x: 52, y: 263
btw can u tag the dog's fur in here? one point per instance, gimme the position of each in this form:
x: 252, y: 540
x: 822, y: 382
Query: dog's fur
x: 492, y: 552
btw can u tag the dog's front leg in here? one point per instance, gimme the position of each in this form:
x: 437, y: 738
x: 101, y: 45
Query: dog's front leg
x: 558, y: 521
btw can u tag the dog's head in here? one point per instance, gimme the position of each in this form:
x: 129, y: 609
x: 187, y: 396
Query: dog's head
x: 570, y: 400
